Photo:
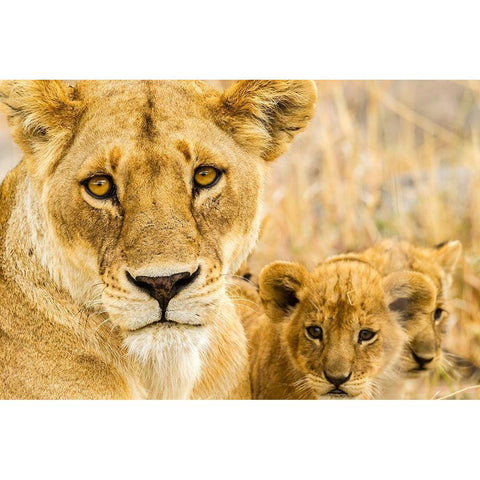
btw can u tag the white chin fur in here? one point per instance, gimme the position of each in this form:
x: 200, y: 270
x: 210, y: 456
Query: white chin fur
x: 171, y: 356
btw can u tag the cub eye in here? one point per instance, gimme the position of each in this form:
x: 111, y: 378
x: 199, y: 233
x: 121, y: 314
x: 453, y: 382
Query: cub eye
x: 438, y: 314
x: 100, y: 186
x: 315, y: 332
x: 206, y: 176
x: 365, y: 335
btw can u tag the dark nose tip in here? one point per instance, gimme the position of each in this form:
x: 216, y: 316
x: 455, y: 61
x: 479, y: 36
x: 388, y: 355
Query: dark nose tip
x: 337, y: 381
x: 163, y: 289
x: 421, y: 360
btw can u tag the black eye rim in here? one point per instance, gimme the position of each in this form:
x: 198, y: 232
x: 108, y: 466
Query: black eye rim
x: 110, y: 194
x: 437, y: 314
x: 371, y: 335
x: 313, y: 336
x: 218, y: 171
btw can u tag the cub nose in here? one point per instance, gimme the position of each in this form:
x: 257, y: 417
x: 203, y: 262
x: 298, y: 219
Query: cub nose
x: 337, y: 381
x: 163, y: 289
x: 422, y: 361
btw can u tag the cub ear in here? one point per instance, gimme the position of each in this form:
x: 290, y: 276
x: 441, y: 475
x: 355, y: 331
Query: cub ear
x: 41, y: 113
x: 409, y: 294
x: 448, y: 254
x: 264, y: 115
x: 279, y: 285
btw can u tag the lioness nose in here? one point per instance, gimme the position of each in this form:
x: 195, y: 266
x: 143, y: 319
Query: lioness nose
x: 163, y: 289
x: 337, y: 381
x: 422, y: 361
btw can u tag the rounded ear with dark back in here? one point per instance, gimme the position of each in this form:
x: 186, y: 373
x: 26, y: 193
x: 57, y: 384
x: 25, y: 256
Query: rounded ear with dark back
x: 42, y: 115
x: 265, y: 115
x: 280, y: 283
x: 408, y: 294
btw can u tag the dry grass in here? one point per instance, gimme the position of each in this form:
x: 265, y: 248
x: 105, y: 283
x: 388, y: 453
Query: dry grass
x: 383, y: 159
x: 386, y: 159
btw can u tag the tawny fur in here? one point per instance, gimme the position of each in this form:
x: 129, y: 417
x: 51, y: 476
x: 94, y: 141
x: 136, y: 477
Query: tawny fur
x: 426, y: 329
x: 437, y: 264
x: 342, y: 297
x: 71, y: 323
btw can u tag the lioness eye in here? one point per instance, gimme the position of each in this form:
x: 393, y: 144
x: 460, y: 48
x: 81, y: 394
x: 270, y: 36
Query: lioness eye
x: 206, y: 176
x: 365, y: 335
x: 100, y: 186
x: 315, y: 332
x: 438, y: 314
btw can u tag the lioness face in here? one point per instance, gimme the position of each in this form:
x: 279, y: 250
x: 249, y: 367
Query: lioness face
x: 182, y: 205
x: 155, y: 193
x: 340, y: 332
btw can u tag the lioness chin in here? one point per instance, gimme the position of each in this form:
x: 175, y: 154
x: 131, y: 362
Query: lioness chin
x: 131, y: 204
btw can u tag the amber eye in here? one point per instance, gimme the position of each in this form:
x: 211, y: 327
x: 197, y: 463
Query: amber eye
x: 206, y: 176
x: 437, y: 315
x: 365, y: 335
x: 315, y: 332
x: 100, y: 186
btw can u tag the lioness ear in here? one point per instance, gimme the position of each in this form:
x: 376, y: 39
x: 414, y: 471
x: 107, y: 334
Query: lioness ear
x: 447, y: 255
x: 279, y: 284
x: 264, y: 115
x: 41, y: 114
x: 409, y: 293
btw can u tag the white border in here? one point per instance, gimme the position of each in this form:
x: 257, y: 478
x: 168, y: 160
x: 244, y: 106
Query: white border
x: 248, y: 39
x: 239, y: 440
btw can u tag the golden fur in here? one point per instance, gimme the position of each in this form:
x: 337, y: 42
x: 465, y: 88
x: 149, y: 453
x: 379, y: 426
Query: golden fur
x: 72, y: 325
x: 426, y: 329
x: 343, y: 297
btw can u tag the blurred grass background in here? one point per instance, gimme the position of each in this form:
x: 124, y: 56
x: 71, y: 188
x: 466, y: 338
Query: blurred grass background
x: 380, y: 159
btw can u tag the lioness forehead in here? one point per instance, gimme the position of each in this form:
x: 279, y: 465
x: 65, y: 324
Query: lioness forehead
x: 145, y: 110
x: 141, y: 124
x: 165, y: 95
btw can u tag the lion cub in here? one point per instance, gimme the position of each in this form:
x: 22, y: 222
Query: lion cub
x: 328, y: 333
x: 426, y: 329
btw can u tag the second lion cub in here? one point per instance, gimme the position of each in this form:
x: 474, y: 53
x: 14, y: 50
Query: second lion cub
x: 328, y: 333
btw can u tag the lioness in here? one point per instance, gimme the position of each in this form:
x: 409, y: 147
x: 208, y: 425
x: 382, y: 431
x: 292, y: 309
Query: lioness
x: 331, y: 333
x: 133, y: 200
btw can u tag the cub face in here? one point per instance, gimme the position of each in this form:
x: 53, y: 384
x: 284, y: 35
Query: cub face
x: 426, y: 327
x: 337, y: 327
x: 150, y: 191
